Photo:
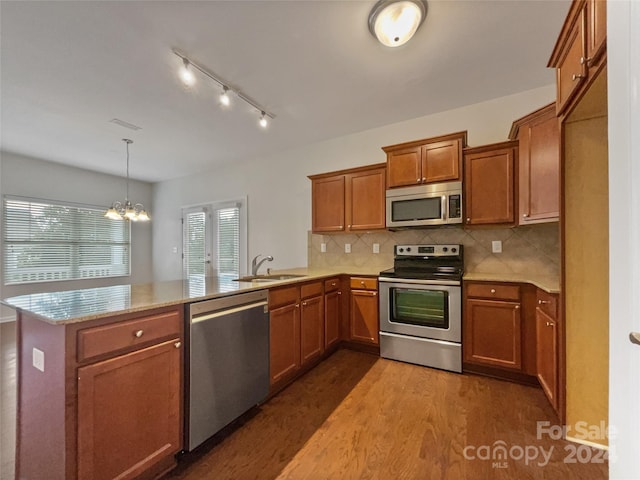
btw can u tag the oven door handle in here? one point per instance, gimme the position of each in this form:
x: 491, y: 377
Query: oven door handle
x: 419, y: 282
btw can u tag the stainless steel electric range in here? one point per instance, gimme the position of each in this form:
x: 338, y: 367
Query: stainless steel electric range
x: 421, y: 306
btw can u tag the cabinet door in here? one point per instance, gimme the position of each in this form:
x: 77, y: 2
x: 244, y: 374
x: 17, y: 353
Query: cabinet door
x: 328, y: 204
x: 597, y: 29
x: 129, y: 412
x: 492, y: 333
x: 365, y: 205
x: 489, y: 187
x: 572, y: 69
x: 363, y: 321
x: 284, y: 341
x: 539, y: 171
x: 311, y: 328
x: 332, y: 310
x: 441, y: 161
x: 547, y: 355
x: 404, y: 167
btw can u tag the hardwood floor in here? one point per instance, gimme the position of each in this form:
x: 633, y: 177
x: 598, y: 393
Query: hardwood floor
x: 7, y: 399
x: 356, y: 416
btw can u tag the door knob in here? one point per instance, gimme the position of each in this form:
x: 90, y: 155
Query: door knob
x: 635, y: 337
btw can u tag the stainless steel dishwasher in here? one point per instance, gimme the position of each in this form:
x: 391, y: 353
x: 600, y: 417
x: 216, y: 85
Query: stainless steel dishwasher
x: 228, y: 367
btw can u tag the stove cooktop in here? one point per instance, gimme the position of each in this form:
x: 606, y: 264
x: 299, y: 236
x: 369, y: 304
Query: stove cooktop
x: 427, y: 262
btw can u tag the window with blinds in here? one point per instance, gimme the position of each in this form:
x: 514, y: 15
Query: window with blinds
x: 45, y: 241
x: 228, y: 241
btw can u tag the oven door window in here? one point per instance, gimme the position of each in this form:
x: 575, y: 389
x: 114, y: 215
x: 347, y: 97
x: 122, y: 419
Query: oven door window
x: 427, y: 308
x: 416, y: 209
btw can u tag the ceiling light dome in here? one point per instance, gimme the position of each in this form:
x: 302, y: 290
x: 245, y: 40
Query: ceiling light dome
x: 394, y: 22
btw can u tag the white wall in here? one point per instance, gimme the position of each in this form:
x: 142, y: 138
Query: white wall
x: 623, y: 59
x: 279, y: 194
x: 36, y: 178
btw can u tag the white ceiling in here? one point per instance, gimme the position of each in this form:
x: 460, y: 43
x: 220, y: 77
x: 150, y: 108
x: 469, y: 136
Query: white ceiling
x: 68, y: 67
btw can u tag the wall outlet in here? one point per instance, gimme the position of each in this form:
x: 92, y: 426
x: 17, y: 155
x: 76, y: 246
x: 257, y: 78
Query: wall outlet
x: 174, y: 249
x: 323, y: 247
x: 496, y: 246
x: 347, y: 248
x: 376, y: 248
x: 38, y: 359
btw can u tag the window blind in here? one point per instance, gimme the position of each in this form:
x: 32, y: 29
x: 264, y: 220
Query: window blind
x: 228, y: 241
x: 194, y: 243
x: 46, y: 241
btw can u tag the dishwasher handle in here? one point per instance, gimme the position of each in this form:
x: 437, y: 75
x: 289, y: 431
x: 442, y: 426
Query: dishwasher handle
x: 211, y: 316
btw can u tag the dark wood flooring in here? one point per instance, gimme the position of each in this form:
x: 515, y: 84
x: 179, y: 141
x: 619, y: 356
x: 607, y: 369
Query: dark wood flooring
x: 356, y: 416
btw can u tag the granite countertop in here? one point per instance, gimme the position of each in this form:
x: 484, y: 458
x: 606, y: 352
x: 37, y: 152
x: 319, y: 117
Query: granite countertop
x: 82, y: 305
x: 92, y: 303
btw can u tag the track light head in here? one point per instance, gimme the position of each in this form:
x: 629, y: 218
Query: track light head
x: 186, y: 75
x: 263, y: 120
x: 224, y: 96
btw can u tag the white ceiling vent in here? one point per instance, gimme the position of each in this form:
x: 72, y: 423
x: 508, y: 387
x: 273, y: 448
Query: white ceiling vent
x: 124, y: 124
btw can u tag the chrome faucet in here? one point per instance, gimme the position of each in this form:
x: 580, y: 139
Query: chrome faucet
x: 255, y: 265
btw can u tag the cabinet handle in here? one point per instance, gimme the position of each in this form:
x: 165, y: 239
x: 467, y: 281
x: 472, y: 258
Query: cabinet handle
x: 418, y: 180
x: 177, y: 344
x: 525, y: 215
x: 517, y: 307
x: 543, y: 302
x: 424, y: 179
x: 348, y: 226
x: 584, y: 60
x: 297, y: 305
x: 374, y: 294
x: 362, y: 283
x: 493, y: 290
x: 339, y: 293
x: 138, y: 333
x: 304, y: 304
x: 468, y: 219
x: 333, y: 284
x: 575, y: 77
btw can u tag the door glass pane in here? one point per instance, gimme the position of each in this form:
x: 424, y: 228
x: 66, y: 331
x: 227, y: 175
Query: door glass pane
x: 228, y: 241
x: 420, y: 307
x: 195, y: 247
x: 417, y: 209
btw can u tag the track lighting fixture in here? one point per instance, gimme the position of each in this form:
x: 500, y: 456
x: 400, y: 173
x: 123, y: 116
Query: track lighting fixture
x: 224, y: 96
x: 186, y: 75
x: 188, y: 78
x: 263, y: 120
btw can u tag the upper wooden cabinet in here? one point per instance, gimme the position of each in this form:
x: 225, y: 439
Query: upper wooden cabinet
x: 430, y: 160
x: 489, y: 183
x: 538, y: 136
x: 579, y: 53
x: 349, y: 200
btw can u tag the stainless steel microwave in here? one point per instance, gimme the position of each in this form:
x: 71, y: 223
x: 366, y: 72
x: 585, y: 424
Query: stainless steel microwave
x: 425, y: 205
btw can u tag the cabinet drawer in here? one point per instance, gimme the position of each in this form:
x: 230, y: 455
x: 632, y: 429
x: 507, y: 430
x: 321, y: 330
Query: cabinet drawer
x: 364, y: 283
x: 96, y: 341
x: 492, y: 290
x: 331, y: 285
x: 311, y: 290
x: 548, y: 303
x: 283, y: 296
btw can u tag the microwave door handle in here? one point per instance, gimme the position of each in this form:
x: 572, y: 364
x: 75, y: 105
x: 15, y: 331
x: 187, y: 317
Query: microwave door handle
x: 444, y: 207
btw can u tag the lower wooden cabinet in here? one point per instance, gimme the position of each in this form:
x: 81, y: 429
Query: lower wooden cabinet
x: 284, y: 341
x: 129, y: 412
x: 547, y: 345
x: 332, y: 312
x: 364, y: 323
x: 311, y: 329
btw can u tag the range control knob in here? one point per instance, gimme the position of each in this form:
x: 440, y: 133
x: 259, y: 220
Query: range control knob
x: 454, y: 250
x: 445, y: 249
x: 408, y: 249
x: 401, y: 250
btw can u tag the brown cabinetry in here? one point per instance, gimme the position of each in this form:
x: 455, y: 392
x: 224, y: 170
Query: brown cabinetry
x: 332, y: 312
x: 547, y: 345
x: 363, y: 312
x: 429, y: 160
x: 538, y: 136
x: 489, y: 184
x: 349, y: 200
x: 284, y: 315
x: 311, y: 322
x: 492, y: 326
x: 579, y: 53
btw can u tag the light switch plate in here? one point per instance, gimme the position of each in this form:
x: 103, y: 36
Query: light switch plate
x: 347, y: 248
x: 323, y: 247
x: 496, y: 246
x: 174, y: 250
x: 376, y: 248
x: 38, y: 359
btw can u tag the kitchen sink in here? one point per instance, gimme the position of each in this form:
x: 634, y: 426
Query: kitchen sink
x: 267, y: 278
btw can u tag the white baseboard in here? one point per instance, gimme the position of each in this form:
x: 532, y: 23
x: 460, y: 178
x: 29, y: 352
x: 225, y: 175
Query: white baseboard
x: 587, y: 442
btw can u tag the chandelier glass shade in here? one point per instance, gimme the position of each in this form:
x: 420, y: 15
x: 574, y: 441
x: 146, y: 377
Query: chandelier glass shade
x: 126, y: 210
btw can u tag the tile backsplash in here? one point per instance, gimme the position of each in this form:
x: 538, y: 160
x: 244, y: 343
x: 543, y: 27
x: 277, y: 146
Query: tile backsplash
x: 528, y: 249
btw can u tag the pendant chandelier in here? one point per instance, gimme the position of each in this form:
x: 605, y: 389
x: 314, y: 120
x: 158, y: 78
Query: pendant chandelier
x: 127, y: 210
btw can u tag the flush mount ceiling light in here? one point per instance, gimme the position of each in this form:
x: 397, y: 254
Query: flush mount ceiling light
x: 187, y: 76
x: 394, y: 22
x: 127, y: 210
